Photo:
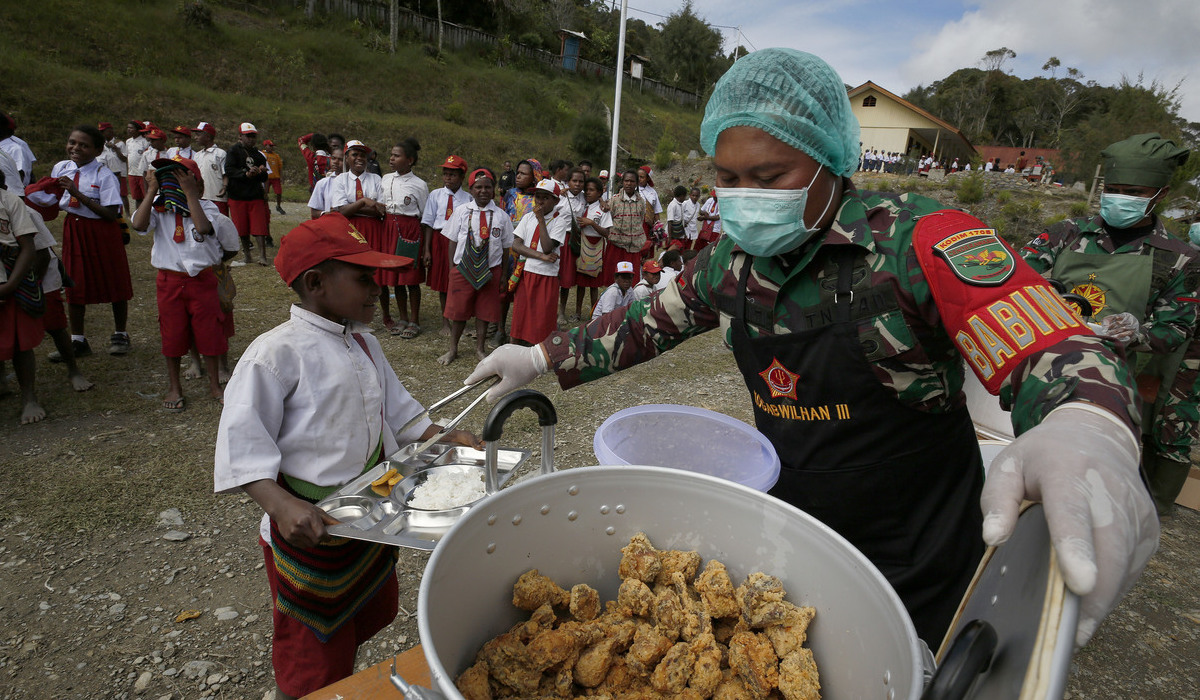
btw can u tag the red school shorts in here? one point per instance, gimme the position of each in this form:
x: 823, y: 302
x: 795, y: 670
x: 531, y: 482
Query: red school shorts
x: 276, y: 185
x: 303, y: 663
x: 464, y: 301
x: 190, y: 310
x: 249, y: 216
x: 124, y: 186
x: 137, y: 186
x: 55, y: 317
x: 18, y: 330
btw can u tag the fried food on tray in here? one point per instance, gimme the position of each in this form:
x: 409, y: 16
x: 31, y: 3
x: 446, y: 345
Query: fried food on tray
x: 670, y: 634
x: 383, y: 485
x: 534, y: 590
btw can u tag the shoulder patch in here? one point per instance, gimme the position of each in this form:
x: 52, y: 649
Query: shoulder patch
x: 976, y: 256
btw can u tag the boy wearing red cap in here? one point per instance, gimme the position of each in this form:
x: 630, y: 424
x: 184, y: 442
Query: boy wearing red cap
x: 135, y: 144
x: 188, y: 242
x: 210, y: 158
x: 182, y: 136
x: 312, y: 404
x: 480, y: 235
x: 651, y: 274
x: 438, y: 209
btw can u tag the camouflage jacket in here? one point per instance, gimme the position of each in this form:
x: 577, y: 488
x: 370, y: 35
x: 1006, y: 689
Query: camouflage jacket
x: 1171, y: 313
x: 901, y: 332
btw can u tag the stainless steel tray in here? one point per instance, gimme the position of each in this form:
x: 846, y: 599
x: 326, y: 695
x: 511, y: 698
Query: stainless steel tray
x: 365, y: 515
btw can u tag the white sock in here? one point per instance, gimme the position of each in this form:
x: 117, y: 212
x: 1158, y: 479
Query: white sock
x: 78, y: 338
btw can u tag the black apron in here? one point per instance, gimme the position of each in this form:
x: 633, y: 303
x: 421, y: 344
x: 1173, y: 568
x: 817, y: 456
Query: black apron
x: 901, y: 485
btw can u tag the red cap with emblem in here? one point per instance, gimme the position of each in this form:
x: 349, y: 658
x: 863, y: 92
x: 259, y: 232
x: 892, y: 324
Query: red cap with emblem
x: 331, y: 237
x: 455, y: 163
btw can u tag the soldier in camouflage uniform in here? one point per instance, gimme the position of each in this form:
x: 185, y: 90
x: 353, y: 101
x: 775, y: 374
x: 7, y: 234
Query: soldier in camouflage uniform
x: 851, y: 335
x: 1132, y: 270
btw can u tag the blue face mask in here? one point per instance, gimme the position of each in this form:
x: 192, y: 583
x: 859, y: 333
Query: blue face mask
x: 767, y: 222
x: 1123, y: 210
x: 1194, y: 234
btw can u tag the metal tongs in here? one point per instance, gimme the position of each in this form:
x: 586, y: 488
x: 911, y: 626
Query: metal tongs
x: 485, y: 383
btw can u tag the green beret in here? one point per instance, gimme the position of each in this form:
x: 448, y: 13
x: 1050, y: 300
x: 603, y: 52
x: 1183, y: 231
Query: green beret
x: 1147, y: 160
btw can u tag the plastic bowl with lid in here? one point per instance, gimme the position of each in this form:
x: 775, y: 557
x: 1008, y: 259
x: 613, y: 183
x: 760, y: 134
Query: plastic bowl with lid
x: 688, y: 438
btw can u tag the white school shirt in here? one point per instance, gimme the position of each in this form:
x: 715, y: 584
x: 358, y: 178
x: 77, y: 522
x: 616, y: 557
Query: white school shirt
x: 319, y: 200
x: 111, y: 157
x: 133, y: 150
x: 190, y: 256
x: 307, y: 401
x: 690, y: 209
x: 610, y: 299
x: 675, y: 211
x: 211, y: 162
x: 596, y: 213
x: 342, y: 191
x: 464, y: 222
x: 12, y: 178
x: 185, y: 152
x: 44, y: 240
x: 557, y: 227
x: 22, y: 154
x: 667, y: 276
x: 95, y: 181
x: 643, y: 289
x: 14, y: 219
x: 152, y: 154
x: 710, y: 207
x: 404, y: 195
x: 435, y: 207
x: 650, y: 195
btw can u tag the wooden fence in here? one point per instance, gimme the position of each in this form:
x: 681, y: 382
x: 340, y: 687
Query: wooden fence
x: 457, y: 36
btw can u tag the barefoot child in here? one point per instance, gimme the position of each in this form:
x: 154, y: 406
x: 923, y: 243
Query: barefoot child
x: 186, y: 246
x: 538, y: 238
x: 438, y: 210
x: 21, y: 301
x: 404, y: 197
x: 55, y: 318
x: 518, y: 201
x: 312, y: 404
x: 480, y: 235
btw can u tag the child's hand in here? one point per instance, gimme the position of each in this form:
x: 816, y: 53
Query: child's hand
x: 464, y: 438
x: 187, y: 183
x: 68, y: 184
x: 584, y: 221
x: 549, y: 257
x: 381, y: 210
x: 151, y: 178
x: 302, y: 523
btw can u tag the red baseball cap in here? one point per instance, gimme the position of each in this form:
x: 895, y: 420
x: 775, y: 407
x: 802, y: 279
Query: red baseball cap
x: 268, y: 142
x: 182, y: 131
x: 206, y: 128
x: 480, y: 172
x: 155, y: 133
x: 247, y: 128
x: 651, y: 266
x: 330, y: 237
x: 104, y: 125
x: 455, y: 163
x: 180, y: 161
x: 147, y: 126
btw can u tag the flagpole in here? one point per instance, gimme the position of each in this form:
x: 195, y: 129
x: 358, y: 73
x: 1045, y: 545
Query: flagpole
x: 616, y: 119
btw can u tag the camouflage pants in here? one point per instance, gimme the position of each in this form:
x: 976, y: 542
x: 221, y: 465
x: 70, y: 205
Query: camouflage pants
x: 1174, y: 429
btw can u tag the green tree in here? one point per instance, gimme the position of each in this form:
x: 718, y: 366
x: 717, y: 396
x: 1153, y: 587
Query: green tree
x: 686, y: 50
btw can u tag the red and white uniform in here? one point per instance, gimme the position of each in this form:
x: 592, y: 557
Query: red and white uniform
x: 438, y: 209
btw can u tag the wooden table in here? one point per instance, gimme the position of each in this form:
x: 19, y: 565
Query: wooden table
x: 375, y: 682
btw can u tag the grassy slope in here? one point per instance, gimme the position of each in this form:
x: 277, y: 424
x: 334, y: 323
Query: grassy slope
x: 69, y: 61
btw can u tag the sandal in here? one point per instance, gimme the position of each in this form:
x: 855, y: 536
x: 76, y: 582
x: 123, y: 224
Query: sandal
x: 175, y: 406
x: 410, y: 332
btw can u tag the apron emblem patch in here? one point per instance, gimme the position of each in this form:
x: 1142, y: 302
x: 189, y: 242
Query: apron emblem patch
x: 1095, y: 295
x: 977, y: 257
x: 780, y: 380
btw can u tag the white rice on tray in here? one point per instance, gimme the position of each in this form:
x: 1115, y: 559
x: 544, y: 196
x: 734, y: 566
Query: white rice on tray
x: 446, y: 489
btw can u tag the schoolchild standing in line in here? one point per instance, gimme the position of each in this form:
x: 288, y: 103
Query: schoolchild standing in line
x: 404, y: 197
x: 438, y: 210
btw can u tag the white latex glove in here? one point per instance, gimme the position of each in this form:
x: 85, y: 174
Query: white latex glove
x: 1081, y: 463
x: 516, y: 366
x: 1123, y: 327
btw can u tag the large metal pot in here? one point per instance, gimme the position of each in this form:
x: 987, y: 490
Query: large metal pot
x: 570, y: 525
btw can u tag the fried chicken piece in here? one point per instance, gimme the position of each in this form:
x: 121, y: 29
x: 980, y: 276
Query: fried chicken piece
x: 789, y: 635
x: 561, y: 678
x: 696, y: 619
x: 753, y: 658
x: 706, y: 674
x: 731, y: 687
x: 584, y: 602
x: 540, y: 620
x: 639, y: 560
x: 508, y: 662
x: 473, y: 682
x: 533, y: 590
x: 717, y: 591
x: 555, y: 646
x: 618, y: 680
x: 761, y: 598
x: 798, y: 679
x: 671, y: 674
x: 677, y: 561
x: 594, y: 662
x: 724, y: 629
x: 635, y: 597
x: 668, y: 613
x: 649, y: 645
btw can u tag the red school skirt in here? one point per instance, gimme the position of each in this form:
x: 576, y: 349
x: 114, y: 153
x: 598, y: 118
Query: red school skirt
x: 567, y: 273
x: 402, y: 236
x: 372, y: 229
x: 535, y: 309
x: 94, y: 257
x: 439, y: 266
x: 18, y: 330
x: 614, y: 254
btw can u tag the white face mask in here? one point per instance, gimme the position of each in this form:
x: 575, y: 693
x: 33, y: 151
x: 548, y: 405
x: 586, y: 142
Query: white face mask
x: 767, y: 222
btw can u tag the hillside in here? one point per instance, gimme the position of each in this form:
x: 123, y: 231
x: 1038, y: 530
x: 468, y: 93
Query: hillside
x: 70, y: 62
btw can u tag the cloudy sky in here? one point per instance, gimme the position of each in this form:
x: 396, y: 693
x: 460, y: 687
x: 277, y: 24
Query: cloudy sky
x: 899, y: 44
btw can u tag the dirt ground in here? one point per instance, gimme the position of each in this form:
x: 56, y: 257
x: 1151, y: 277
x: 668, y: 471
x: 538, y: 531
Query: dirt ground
x: 109, y: 529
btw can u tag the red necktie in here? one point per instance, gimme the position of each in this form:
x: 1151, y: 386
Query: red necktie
x: 449, y: 206
x: 178, y: 238
x: 74, y: 200
x: 483, y: 225
x: 357, y: 189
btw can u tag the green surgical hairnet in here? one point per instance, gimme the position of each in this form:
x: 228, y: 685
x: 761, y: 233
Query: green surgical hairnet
x: 793, y: 96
